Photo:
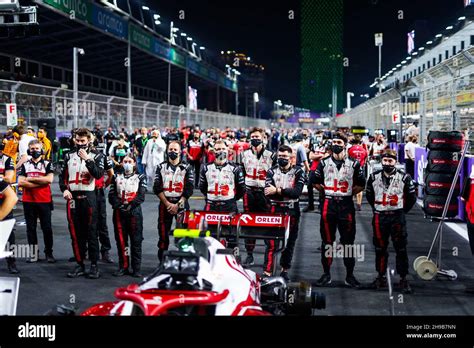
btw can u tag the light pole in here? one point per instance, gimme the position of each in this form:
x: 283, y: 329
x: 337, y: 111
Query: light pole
x: 173, y: 36
x: 349, y: 96
x: 75, y: 87
x: 256, y: 99
x: 379, y: 44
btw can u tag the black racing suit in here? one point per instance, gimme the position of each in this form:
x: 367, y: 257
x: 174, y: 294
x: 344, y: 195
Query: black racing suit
x: 291, y: 183
x: 389, y: 208
x: 338, y: 212
x: 82, y: 208
x: 222, y: 185
x: 126, y: 194
x: 175, y: 182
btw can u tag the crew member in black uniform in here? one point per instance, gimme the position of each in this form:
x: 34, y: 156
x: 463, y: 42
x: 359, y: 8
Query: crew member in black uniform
x: 256, y: 162
x: 391, y: 194
x: 81, y: 169
x: 174, y: 185
x: 127, y: 193
x: 284, y: 185
x: 338, y: 178
x: 222, y: 183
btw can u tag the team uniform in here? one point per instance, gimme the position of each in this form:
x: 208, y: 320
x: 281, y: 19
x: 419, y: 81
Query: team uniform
x: 126, y: 194
x: 338, y: 177
x: 390, y: 197
x: 38, y: 203
x: 256, y: 167
x: 222, y: 185
x: 291, y: 184
x: 195, y: 149
x: 79, y: 177
x: 174, y: 182
x: 102, y: 229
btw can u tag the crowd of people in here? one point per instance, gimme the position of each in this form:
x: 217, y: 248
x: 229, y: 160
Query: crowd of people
x: 270, y: 170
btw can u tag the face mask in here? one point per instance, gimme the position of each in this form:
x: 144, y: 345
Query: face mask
x: 172, y: 155
x: 35, y: 154
x: 283, y: 162
x: 40, y: 136
x: 337, y: 149
x: 128, y: 167
x: 221, y: 156
x: 82, y: 147
x: 388, y: 169
x: 256, y: 142
x: 196, y: 137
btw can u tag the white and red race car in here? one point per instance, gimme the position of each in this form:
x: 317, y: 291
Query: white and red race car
x: 204, y: 278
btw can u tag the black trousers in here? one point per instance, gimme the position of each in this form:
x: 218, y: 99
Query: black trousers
x: 310, y: 192
x: 82, y: 220
x: 165, y: 221
x: 41, y: 211
x: 229, y: 206
x: 102, y: 229
x: 128, y: 226
x: 410, y: 167
x: 11, y: 241
x: 337, y: 214
x: 271, y: 245
x: 197, y: 169
x: 255, y: 202
x: 470, y: 232
x: 390, y: 225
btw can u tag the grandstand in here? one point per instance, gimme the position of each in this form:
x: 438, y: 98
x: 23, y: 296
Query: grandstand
x: 37, y: 72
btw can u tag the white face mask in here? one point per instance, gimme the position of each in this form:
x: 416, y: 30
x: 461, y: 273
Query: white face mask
x: 128, y: 167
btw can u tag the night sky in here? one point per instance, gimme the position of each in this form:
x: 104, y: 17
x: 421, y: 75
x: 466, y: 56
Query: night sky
x: 261, y: 29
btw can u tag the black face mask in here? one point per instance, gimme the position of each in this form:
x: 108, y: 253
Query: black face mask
x: 337, y: 149
x: 388, y: 169
x: 283, y: 162
x: 172, y: 155
x: 256, y: 142
x: 83, y: 147
x: 35, y: 154
x: 221, y: 156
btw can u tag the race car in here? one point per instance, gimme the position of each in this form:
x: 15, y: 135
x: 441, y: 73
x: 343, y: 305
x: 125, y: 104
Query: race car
x: 204, y: 278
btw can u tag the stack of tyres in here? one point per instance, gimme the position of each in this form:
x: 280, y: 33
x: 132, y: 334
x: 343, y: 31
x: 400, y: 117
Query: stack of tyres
x: 443, y: 159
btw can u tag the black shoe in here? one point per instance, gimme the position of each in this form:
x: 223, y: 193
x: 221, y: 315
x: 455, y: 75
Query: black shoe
x: 93, y: 272
x: 106, y: 257
x: 72, y: 259
x: 249, y: 261
x: 352, y: 282
x: 78, y: 271
x: 284, y: 275
x: 308, y: 209
x: 121, y: 272
x: 324, y: 280
x: 50, y: 258
x: 380, y: 283
x: 12, y: 267
x: 137, y: 274
x: 405, y: 286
